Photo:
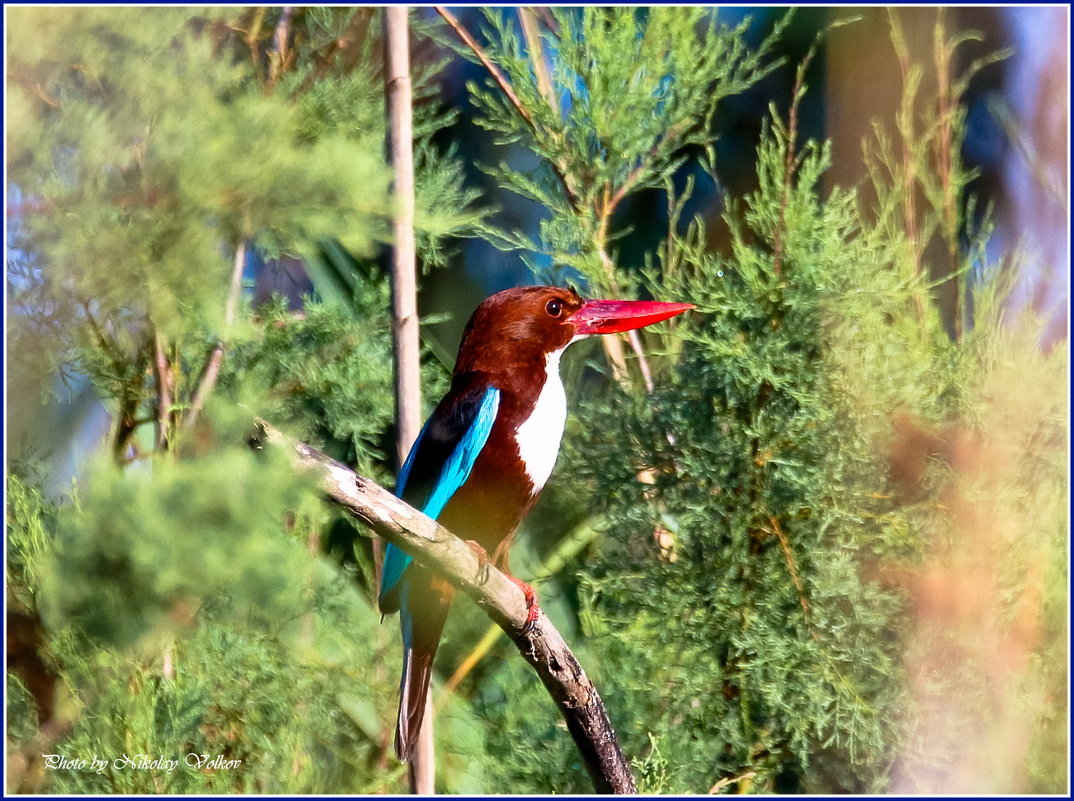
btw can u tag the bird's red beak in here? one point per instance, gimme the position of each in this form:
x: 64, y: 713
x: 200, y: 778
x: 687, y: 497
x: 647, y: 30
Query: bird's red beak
x: 612, y: 316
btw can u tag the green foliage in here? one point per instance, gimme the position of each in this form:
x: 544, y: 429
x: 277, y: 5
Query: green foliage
x: 273, y: 658
x: 283, y: 697
x: 616, y: 109
x: 348, y: 102
x: 329, y: 371
x: 155, y: 159
x: 996, y: 531
x: 652, y: 771
x: 29, y: 520
x: 143, y: 167
x: 146, y: 574
x: 744, y: 591
x: 759, y: 664
x: 178, y: 591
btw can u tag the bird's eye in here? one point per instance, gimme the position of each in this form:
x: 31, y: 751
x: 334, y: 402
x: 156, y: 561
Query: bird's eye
x: 554, y: 307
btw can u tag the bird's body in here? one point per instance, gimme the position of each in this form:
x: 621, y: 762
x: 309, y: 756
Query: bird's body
x: 486, y: 451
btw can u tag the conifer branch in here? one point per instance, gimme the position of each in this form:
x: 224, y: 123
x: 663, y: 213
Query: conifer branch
x: 644, y: 168
x: 435, y: 547
x: 501, y: 80
x: 789, y: 157
x: 792, y: 568
x: 904, y: 123
x: 943, y: 52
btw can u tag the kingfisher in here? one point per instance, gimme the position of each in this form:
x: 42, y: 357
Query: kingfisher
x: 484, y: 455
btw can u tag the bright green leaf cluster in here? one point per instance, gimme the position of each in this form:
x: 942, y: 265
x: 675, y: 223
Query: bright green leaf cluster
x: 611, y: 101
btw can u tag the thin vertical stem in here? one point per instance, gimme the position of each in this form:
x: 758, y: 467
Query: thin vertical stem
x: 404, y: 298
x: 252, y: 36
x: 643, y: 362
x: 163, y: 377
x: 404, y: 282
x: 945, y: 158
x: 904, y: 122
x: 530, y: 30
x: 211, y: 371
x: 280, y: 54
x: 167, y: 668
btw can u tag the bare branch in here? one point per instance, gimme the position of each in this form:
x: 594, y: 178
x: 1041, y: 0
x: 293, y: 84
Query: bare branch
x: 206, y: 381
x: 163, y: 376
x: 528, y: 18
x: 252, y: 36
x: 34, y: 88
x: 282, y: 35
x: 643, y: 362
x: 726, y: 782
x: 211, y: 371
x: 572, y: 544
x: 494, y: 71
x: 613, y: 349
x: 280, y: 55
x: 435, y: 547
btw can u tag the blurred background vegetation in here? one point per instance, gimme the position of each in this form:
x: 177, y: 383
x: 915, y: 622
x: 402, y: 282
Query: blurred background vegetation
x: 811, y: 538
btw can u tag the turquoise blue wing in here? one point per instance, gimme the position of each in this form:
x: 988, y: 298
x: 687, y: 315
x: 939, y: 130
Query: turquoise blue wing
x: 439, y: 463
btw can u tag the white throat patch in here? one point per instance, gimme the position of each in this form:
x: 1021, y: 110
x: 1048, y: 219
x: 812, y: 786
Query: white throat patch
x: 539, y: 435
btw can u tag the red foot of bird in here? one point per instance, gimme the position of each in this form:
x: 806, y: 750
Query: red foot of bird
x: 533, y: 609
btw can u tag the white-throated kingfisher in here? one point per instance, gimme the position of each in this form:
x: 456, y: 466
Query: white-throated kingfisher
x: 482, y: 458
